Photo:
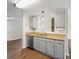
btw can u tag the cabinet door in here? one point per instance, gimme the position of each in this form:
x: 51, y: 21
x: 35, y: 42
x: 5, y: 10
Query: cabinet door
x: 60, y: 19
x: 42, y: 46
x: 33, y: 22
x: 59, y: 50
x: 50, y: 48
x: 26, y: 41
x: 36, y: 43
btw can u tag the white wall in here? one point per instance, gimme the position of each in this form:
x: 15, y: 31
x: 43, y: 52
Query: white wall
x: 69, y: 23
x: 67, y: 29
x: 26, y: 28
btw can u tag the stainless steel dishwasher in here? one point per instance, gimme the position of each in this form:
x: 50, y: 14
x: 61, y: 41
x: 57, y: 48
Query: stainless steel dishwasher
x: 30, y: 42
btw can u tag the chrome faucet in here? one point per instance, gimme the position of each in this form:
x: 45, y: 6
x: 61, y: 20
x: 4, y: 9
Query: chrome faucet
x: 45, y: 34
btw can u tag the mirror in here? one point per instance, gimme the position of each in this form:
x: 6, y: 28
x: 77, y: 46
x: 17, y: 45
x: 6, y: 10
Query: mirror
x: 54, y: 22
x: 52, y: 25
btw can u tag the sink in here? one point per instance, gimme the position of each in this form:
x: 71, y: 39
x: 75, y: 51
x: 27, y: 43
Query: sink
x: 42, y: 35
x: 46, y: 35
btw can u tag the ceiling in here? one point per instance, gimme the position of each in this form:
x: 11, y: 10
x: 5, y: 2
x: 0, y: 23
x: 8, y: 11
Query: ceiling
x: 49, y: 6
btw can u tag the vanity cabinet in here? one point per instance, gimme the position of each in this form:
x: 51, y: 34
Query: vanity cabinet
x: 26, y: 41
x: 50, y: 47
x: 59, y: 50
x: 40, y: 44
x: 36, y: 43
x: 55, y: 49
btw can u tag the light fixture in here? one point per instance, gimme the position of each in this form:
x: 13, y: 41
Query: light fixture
x: 25, y: 3
x: 42, y: 15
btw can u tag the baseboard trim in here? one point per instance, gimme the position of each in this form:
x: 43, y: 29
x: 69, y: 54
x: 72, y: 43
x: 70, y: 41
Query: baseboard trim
x: 14, y: 39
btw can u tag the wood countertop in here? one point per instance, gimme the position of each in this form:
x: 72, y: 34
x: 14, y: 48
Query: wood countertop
x: 47, y: 35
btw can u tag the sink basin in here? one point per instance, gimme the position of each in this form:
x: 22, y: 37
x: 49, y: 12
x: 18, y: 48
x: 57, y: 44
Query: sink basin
x: 46, y: 35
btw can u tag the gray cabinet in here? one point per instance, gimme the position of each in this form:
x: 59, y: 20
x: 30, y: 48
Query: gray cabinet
x: 36, y: 43
x: 50, y: 47
x: 40, y: 44
x: 26, y: 43
x: 55, y: 49
x: 59, y: 50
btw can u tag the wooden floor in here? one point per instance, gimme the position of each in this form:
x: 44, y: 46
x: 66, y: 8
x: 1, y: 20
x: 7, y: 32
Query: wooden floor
x: 13, y: 49
x: 16, y: 52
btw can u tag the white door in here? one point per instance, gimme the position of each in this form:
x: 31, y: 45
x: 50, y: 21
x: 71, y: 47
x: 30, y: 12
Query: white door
x: 50, y: 48
x: 9, y: 30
